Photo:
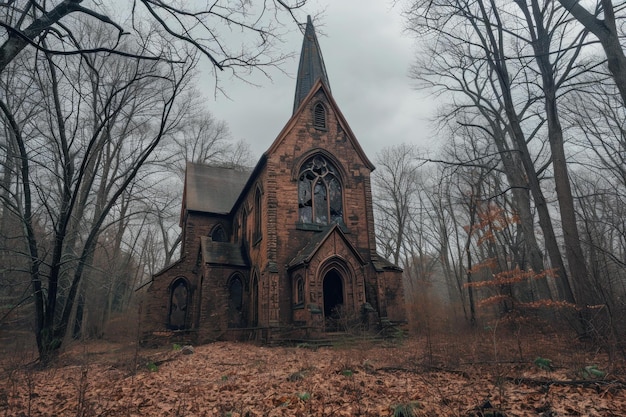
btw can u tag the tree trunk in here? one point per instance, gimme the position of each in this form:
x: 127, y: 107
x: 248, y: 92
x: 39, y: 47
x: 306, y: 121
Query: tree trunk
x: 607, y: 33
x: 18, y: 41
x: 520, y: 190
x: 498, y: 64
x: 541, y: 48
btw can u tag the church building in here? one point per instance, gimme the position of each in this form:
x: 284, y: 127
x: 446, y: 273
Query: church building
x: 286, y: 251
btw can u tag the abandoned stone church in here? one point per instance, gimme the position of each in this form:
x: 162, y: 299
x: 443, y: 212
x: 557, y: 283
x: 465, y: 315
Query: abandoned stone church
x: 286, y: 251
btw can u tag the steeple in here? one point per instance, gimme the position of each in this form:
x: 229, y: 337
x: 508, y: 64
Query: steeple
x: 311, y: 65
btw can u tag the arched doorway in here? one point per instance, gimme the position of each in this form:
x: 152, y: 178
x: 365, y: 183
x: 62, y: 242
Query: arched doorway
x: 333, y: 299
x: 179, y: 300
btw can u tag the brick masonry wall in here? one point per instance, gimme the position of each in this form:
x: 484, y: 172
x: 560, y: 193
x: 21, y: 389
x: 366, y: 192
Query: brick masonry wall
x: 156, y: 301
x: 281, y: 239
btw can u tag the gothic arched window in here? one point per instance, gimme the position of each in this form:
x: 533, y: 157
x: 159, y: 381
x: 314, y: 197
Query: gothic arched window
x: 218, y: 234
x: 299, y: 290
x: 179, y: 301
x: 319, y: 192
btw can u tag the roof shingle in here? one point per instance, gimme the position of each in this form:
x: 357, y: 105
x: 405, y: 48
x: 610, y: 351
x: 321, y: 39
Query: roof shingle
x: 212, y: 189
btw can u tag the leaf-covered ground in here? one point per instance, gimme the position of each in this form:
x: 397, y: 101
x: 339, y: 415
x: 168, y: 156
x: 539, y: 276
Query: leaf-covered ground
x: 471, y: 375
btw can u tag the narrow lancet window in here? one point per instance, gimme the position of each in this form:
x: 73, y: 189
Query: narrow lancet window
x: 299, y: 291
x: 319, y: 116
x: 258, y: 213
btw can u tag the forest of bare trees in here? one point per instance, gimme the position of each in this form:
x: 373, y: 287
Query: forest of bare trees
x: 520, y: 208
x: 519, y: 211
x: 99, y: 107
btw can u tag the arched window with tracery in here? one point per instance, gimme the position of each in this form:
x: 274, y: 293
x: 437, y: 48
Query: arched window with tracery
x: 319, y: 192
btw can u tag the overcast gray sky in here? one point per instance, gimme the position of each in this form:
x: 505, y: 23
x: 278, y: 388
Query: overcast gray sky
x: 367, y: 59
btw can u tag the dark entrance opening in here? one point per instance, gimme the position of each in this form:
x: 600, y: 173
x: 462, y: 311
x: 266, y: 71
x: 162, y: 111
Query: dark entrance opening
x: 179, y: 298
x: 333, y: 300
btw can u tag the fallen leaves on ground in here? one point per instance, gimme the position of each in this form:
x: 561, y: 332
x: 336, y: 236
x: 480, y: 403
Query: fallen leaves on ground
x: 237, y: 379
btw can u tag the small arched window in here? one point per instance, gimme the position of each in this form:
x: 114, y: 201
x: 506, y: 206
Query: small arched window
x: 218, y: 234
x: 319, y: 116
x: 179, y: 301
x: 258, y: 213
x: 319, y: 192
x: 299, y: 290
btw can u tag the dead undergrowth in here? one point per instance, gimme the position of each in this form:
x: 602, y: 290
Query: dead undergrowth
x: 462, y: 373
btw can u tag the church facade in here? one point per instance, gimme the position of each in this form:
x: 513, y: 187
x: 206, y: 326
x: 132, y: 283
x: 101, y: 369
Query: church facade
x: 288, y: 250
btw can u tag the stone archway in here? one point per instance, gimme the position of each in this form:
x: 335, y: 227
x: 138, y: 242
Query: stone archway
x: 179, y: 303
x: 333, y: 299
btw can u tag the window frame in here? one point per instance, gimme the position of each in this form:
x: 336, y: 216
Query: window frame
x: 318, y: 181
x: 257, y: 234
x: 219, y: 228
x: 320, y: 119
x: 298, y: 292
x: 177, y: 282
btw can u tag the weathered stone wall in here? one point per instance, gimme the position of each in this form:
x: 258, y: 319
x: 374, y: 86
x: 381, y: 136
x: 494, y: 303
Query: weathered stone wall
x: 214, y: 309
x: 156, y: 302
x: 393, y: 291
x: 282, y: 237
x: 301, y: 141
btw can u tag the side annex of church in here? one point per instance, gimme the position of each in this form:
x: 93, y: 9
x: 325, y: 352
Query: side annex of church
x: 288, y: 250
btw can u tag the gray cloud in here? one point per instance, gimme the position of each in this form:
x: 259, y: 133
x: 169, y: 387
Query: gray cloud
x: 367, y: 59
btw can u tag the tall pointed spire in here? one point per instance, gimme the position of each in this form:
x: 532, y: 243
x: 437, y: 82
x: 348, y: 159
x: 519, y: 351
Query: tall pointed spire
x: 311, y: 65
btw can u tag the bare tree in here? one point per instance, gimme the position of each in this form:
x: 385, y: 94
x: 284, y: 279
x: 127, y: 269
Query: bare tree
x: 201, y: 139
x: 608, y: 32
x: 46, y: 26
x: 396, y: 184
x: 546, y: 23
x: 448, y: 230
x: 102, y: 108
x: 482, y: 52
x: 103, y: 118
x: 596, y: 119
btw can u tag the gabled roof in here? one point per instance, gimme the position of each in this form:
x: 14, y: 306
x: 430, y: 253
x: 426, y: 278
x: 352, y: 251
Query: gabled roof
x: 221, y: 253
x: 311, y: 67
x: 212, y: 189
x: 380, y: 264
x: 307, y: 252
x: 319, y: 85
